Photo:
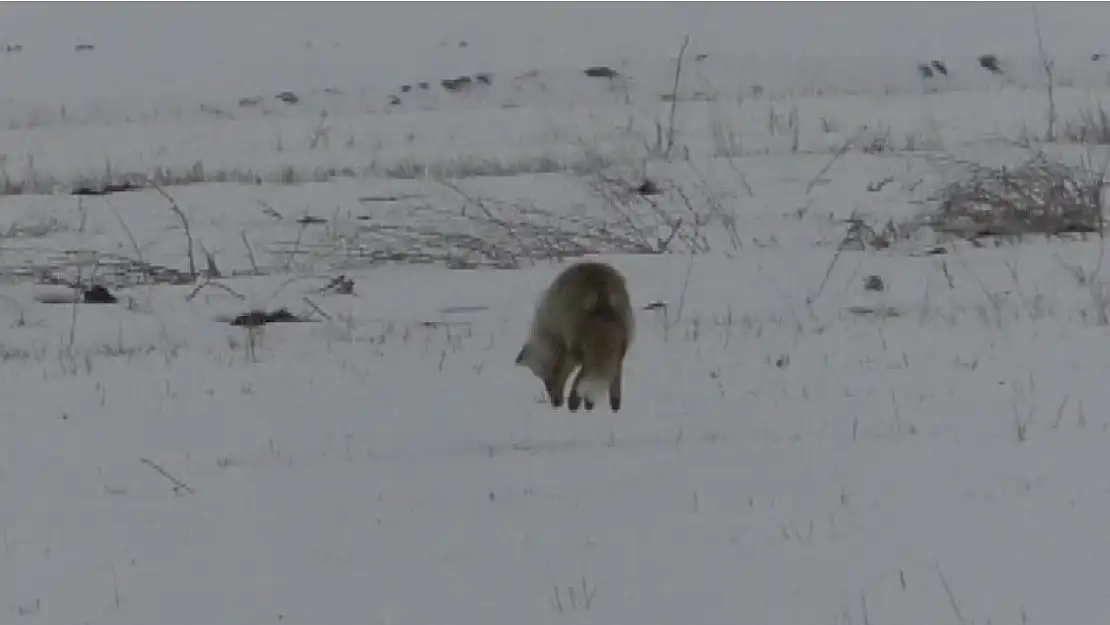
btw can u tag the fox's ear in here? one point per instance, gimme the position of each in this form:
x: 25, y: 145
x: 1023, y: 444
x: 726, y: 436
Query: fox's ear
x: 523, y: 353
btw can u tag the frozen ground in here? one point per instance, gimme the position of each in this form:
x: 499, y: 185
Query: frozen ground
x: 794, y: 448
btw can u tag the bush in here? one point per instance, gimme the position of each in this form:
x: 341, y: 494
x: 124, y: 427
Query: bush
x: 1040, y: 196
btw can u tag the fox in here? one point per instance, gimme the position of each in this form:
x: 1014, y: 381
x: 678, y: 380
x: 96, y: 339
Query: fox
x: 583, y: 319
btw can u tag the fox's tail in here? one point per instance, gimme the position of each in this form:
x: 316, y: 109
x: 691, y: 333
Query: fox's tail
x: 600, y: 304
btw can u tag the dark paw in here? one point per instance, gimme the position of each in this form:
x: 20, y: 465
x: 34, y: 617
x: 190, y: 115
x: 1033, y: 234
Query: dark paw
x: 589, y: 405
x: 615, y: 404
x: 573, y: 402
x: 555, y: 399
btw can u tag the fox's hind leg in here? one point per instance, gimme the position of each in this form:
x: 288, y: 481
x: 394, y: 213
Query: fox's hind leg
x: 576, y: 399
x: 556, y: 383
x: 615, y: 389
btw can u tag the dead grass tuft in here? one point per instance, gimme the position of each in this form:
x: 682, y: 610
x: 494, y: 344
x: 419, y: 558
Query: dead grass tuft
x: 1039, y: 196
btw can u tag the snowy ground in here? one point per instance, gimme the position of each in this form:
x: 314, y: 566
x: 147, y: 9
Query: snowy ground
x: 794, y: 449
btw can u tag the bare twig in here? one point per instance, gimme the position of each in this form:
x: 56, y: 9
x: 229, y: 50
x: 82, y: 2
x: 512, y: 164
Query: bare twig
x: 270, y: 210
x: 321, y: 132
x: 795, y: 127
x: 1060, y: 413
x: 743, y: 178
x: 250, y: 251
x: 696, y: 240
x: 212, y: 270
x: 126, y: 230
x: 835, y: 157
x: 252, y: 341
x: 73, y: 318
x: 219, y: 285
x: 178, y: 485
x: 674, y: 96
x: 296, y: 247
x: 619, y: 203
x: 685, y: 286
x: 313, y: 306
x: 1050, y: 78
x: 115, y: 587
x: 951, y: 597
x: 574, y: 601
x: 717, y: 208
x: 812, y: 299
x: 184, y: 223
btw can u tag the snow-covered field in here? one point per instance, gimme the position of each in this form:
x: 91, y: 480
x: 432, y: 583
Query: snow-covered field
x: 794, y: 448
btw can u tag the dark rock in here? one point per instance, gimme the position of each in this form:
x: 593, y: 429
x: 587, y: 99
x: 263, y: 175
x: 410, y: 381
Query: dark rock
x: 455, y: 85
x: 99, y: 295
x: 107, y: 189
x: 341, y: 284
x: 600, y: 71
x: 256, y: 318
x: 989, y: 62
x: 647, y: 187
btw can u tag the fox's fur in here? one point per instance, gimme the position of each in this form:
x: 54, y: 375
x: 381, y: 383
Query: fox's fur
x: 583, y: 319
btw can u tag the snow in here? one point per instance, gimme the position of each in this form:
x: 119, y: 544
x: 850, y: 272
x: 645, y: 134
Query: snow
x: 793, y: 448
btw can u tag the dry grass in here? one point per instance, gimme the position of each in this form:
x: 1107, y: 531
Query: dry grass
x: 32, y: 181
x: 1091, y: 126
x: 1040, y: 196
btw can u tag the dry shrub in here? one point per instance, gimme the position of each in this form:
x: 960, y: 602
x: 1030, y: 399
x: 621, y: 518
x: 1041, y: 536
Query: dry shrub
x: 1091, y: 126
x: 1039, y: 196
x: 482, y: 233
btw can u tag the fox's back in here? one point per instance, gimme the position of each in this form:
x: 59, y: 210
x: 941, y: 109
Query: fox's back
x: 586, y: 294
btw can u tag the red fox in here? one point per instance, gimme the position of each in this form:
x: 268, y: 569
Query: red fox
x: 584, y: 318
